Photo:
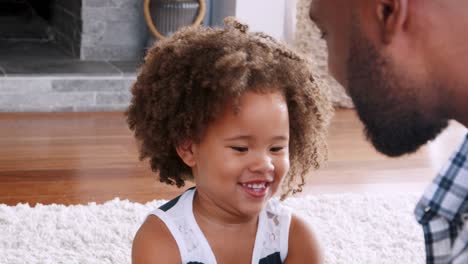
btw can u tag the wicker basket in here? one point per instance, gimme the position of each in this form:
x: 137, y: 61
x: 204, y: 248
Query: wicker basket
x: 164, y: 17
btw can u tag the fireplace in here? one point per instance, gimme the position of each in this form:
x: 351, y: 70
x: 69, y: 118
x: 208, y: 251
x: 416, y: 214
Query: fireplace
x: 23, y: 20
x: 87, y: 30
x: 70, y: 55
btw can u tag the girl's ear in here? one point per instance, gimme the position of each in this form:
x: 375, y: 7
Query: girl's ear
x: 186, y: 152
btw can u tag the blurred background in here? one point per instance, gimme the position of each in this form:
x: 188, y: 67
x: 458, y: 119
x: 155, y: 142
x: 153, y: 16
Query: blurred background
x: 66, y: 68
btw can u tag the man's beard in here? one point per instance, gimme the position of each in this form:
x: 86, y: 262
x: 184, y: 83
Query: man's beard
x: 388, y: 105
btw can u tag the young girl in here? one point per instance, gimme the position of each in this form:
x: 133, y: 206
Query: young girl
x: 239, y: 114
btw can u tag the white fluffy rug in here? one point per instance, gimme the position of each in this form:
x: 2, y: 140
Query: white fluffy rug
x: 353, y: 229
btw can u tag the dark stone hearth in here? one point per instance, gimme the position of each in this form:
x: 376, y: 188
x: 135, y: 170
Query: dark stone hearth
x: 127, y: 67
x: 24, y: 51
x: 59, y: 68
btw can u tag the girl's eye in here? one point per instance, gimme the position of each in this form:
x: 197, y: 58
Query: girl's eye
x: 276, y: 149
x: 239, y: 149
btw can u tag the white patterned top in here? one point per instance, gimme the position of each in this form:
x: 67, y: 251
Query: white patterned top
x: 271, y: 242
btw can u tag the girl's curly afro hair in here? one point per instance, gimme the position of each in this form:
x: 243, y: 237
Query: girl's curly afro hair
x: 187, y: 80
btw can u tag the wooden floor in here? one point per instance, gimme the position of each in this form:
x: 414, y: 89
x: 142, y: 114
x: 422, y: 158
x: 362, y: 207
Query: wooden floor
x: 72, y: 158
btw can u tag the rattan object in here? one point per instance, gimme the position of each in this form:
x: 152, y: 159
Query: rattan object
x: 154, y: 30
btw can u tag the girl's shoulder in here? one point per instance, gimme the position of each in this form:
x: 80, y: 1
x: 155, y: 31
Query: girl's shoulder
x: 303, y: 242
x: 154, y: 243
x: 297, y: 234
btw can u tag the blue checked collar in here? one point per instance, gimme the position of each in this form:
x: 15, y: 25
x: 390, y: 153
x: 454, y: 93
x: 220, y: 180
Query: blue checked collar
x: 446, y: 196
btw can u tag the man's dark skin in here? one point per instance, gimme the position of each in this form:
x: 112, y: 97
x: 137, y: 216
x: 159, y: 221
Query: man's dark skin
x: 403, y: 62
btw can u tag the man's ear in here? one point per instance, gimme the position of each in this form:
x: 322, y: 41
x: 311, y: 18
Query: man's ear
x: 186, y: 152
x: 392, y: 16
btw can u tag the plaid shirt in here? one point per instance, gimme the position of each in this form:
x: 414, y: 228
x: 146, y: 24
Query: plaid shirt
x: 442, y: 212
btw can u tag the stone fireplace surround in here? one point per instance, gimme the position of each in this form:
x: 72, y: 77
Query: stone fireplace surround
x: 69, y: 55
x: 85, y: 29
x: 85, y: 58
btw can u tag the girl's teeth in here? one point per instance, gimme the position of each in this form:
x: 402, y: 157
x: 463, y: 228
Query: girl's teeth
x: 255, y: 186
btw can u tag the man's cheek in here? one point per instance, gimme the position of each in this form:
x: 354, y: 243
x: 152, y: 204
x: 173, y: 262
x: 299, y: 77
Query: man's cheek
x: 336, y: 67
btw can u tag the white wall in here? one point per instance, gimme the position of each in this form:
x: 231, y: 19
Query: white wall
x: 274, y: 17
x: 263, y: 15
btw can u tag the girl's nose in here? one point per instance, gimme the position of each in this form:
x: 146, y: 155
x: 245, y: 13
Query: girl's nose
x: 262, y: 164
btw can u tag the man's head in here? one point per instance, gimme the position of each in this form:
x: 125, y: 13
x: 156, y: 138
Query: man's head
x: 390, y: 56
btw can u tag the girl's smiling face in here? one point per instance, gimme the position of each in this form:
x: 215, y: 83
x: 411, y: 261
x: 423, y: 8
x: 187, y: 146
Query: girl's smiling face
x: 243, y: 156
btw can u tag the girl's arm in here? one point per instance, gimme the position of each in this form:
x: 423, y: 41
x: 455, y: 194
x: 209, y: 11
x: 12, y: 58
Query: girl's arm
x: 303, y: 246
x: 154, y: 243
